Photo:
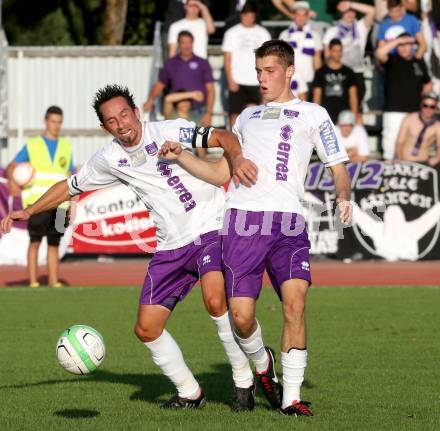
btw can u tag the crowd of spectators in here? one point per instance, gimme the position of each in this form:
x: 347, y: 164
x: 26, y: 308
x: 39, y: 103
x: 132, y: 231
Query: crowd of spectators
x: 400, y: 38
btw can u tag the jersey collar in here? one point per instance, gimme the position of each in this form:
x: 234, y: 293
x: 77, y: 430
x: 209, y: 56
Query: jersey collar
x: 290, y: 102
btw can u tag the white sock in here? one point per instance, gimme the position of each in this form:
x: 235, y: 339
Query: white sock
x: 241, y: 371
x: 294, y: 364
x: 254, y: 349
x: 168, y: 357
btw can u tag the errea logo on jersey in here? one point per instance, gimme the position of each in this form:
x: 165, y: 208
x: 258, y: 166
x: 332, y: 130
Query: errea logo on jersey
x: 186, y: 134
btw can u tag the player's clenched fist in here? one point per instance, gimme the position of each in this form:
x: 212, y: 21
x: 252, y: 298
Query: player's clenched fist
x: 244, y: 171
x: 6, y: 223
x: 170, y: 150
x: 346, y: 210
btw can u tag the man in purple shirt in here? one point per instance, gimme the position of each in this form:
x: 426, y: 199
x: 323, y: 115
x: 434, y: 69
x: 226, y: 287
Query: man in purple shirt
x: 187, y: 73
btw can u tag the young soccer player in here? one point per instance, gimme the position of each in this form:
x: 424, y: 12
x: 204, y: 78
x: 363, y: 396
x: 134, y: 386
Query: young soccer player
x: 187, y: 212
x: 264, y: 226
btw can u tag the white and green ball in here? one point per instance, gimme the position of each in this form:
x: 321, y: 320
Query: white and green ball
x: 80, y: 349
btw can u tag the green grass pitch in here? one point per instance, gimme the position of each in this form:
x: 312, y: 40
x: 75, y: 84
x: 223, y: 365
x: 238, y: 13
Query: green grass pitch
x: 373, y: 362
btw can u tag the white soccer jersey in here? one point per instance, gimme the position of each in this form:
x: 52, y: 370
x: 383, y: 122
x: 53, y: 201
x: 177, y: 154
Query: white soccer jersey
x: 280, y: 138
x: 183, y: 207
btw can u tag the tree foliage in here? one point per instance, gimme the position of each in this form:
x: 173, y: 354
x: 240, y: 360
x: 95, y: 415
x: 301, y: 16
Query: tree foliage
x: 73, y: 22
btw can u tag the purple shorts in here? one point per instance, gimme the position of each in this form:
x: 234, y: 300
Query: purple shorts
x: 256, y: 241
x: 172, y: 273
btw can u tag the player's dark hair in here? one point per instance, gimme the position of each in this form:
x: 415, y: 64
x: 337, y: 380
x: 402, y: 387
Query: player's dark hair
x: 393, y: 3
x: 335, y: 42
x: 277, y: 48
x: 249, y: 6
x: 53, y: 110
x: 184, y: 33
x: 110, y: 92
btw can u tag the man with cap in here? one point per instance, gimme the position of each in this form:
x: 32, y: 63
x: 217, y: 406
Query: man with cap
x: 406, y: 79
x: 353, y: 137
x: 419, y: 135
x: 306, y: 43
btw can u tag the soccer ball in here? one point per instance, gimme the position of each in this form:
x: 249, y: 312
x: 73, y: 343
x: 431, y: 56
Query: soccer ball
x: 80, y: 349
x: 23, y: 174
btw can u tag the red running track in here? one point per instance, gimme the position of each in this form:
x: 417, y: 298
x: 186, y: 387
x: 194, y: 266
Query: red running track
x: 131, y: 272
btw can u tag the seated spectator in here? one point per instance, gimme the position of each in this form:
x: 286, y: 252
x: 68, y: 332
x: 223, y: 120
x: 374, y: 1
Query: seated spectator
x: 187, y: 72
x: 306, y: 43
x: 406, y: 79
x: 419, y: 135
x: 398, y: 22
x: 354, y: 35
x: 199, y: 27
x: 353, y: 137
x: 178, y: 105
x: 334, y: 86
x: 238, y: 47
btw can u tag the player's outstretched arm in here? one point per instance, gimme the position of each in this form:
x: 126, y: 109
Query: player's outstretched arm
x: 243, y: 170
x: 216, y: 173
x: 342, y: 186
x: 56, y: 195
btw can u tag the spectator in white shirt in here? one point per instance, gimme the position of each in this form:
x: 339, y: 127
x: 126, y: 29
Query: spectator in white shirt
x: 353, y: 34
x: 353, y: 137
x: 199, y: 27
x: 305, y: 42
x: 238, y: 47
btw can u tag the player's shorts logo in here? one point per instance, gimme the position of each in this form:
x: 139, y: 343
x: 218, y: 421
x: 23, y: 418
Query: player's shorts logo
x: 328, y: 138
x: 305, y: 266
x: 186, y: 134
x: 206, y: 259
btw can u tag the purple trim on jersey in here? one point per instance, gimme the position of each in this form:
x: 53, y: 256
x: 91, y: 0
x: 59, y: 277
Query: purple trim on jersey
x: 254, y: 241
x: 173, y: 273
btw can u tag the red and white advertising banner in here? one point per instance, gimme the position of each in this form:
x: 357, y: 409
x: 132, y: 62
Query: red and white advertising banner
x: 112, y: 220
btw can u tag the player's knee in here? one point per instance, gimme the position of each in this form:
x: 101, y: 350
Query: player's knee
x: 216, y: 306
x: 146, y: 333
x: 243, y: 323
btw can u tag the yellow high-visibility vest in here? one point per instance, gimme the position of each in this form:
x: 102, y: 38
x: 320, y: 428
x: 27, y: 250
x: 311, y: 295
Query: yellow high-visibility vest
x: 47, y: 172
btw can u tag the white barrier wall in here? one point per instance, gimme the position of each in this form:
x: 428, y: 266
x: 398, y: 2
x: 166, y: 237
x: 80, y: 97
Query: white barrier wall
x: 68, y: 77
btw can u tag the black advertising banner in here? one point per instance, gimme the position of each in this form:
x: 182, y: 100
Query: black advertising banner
x: 396, y: 214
